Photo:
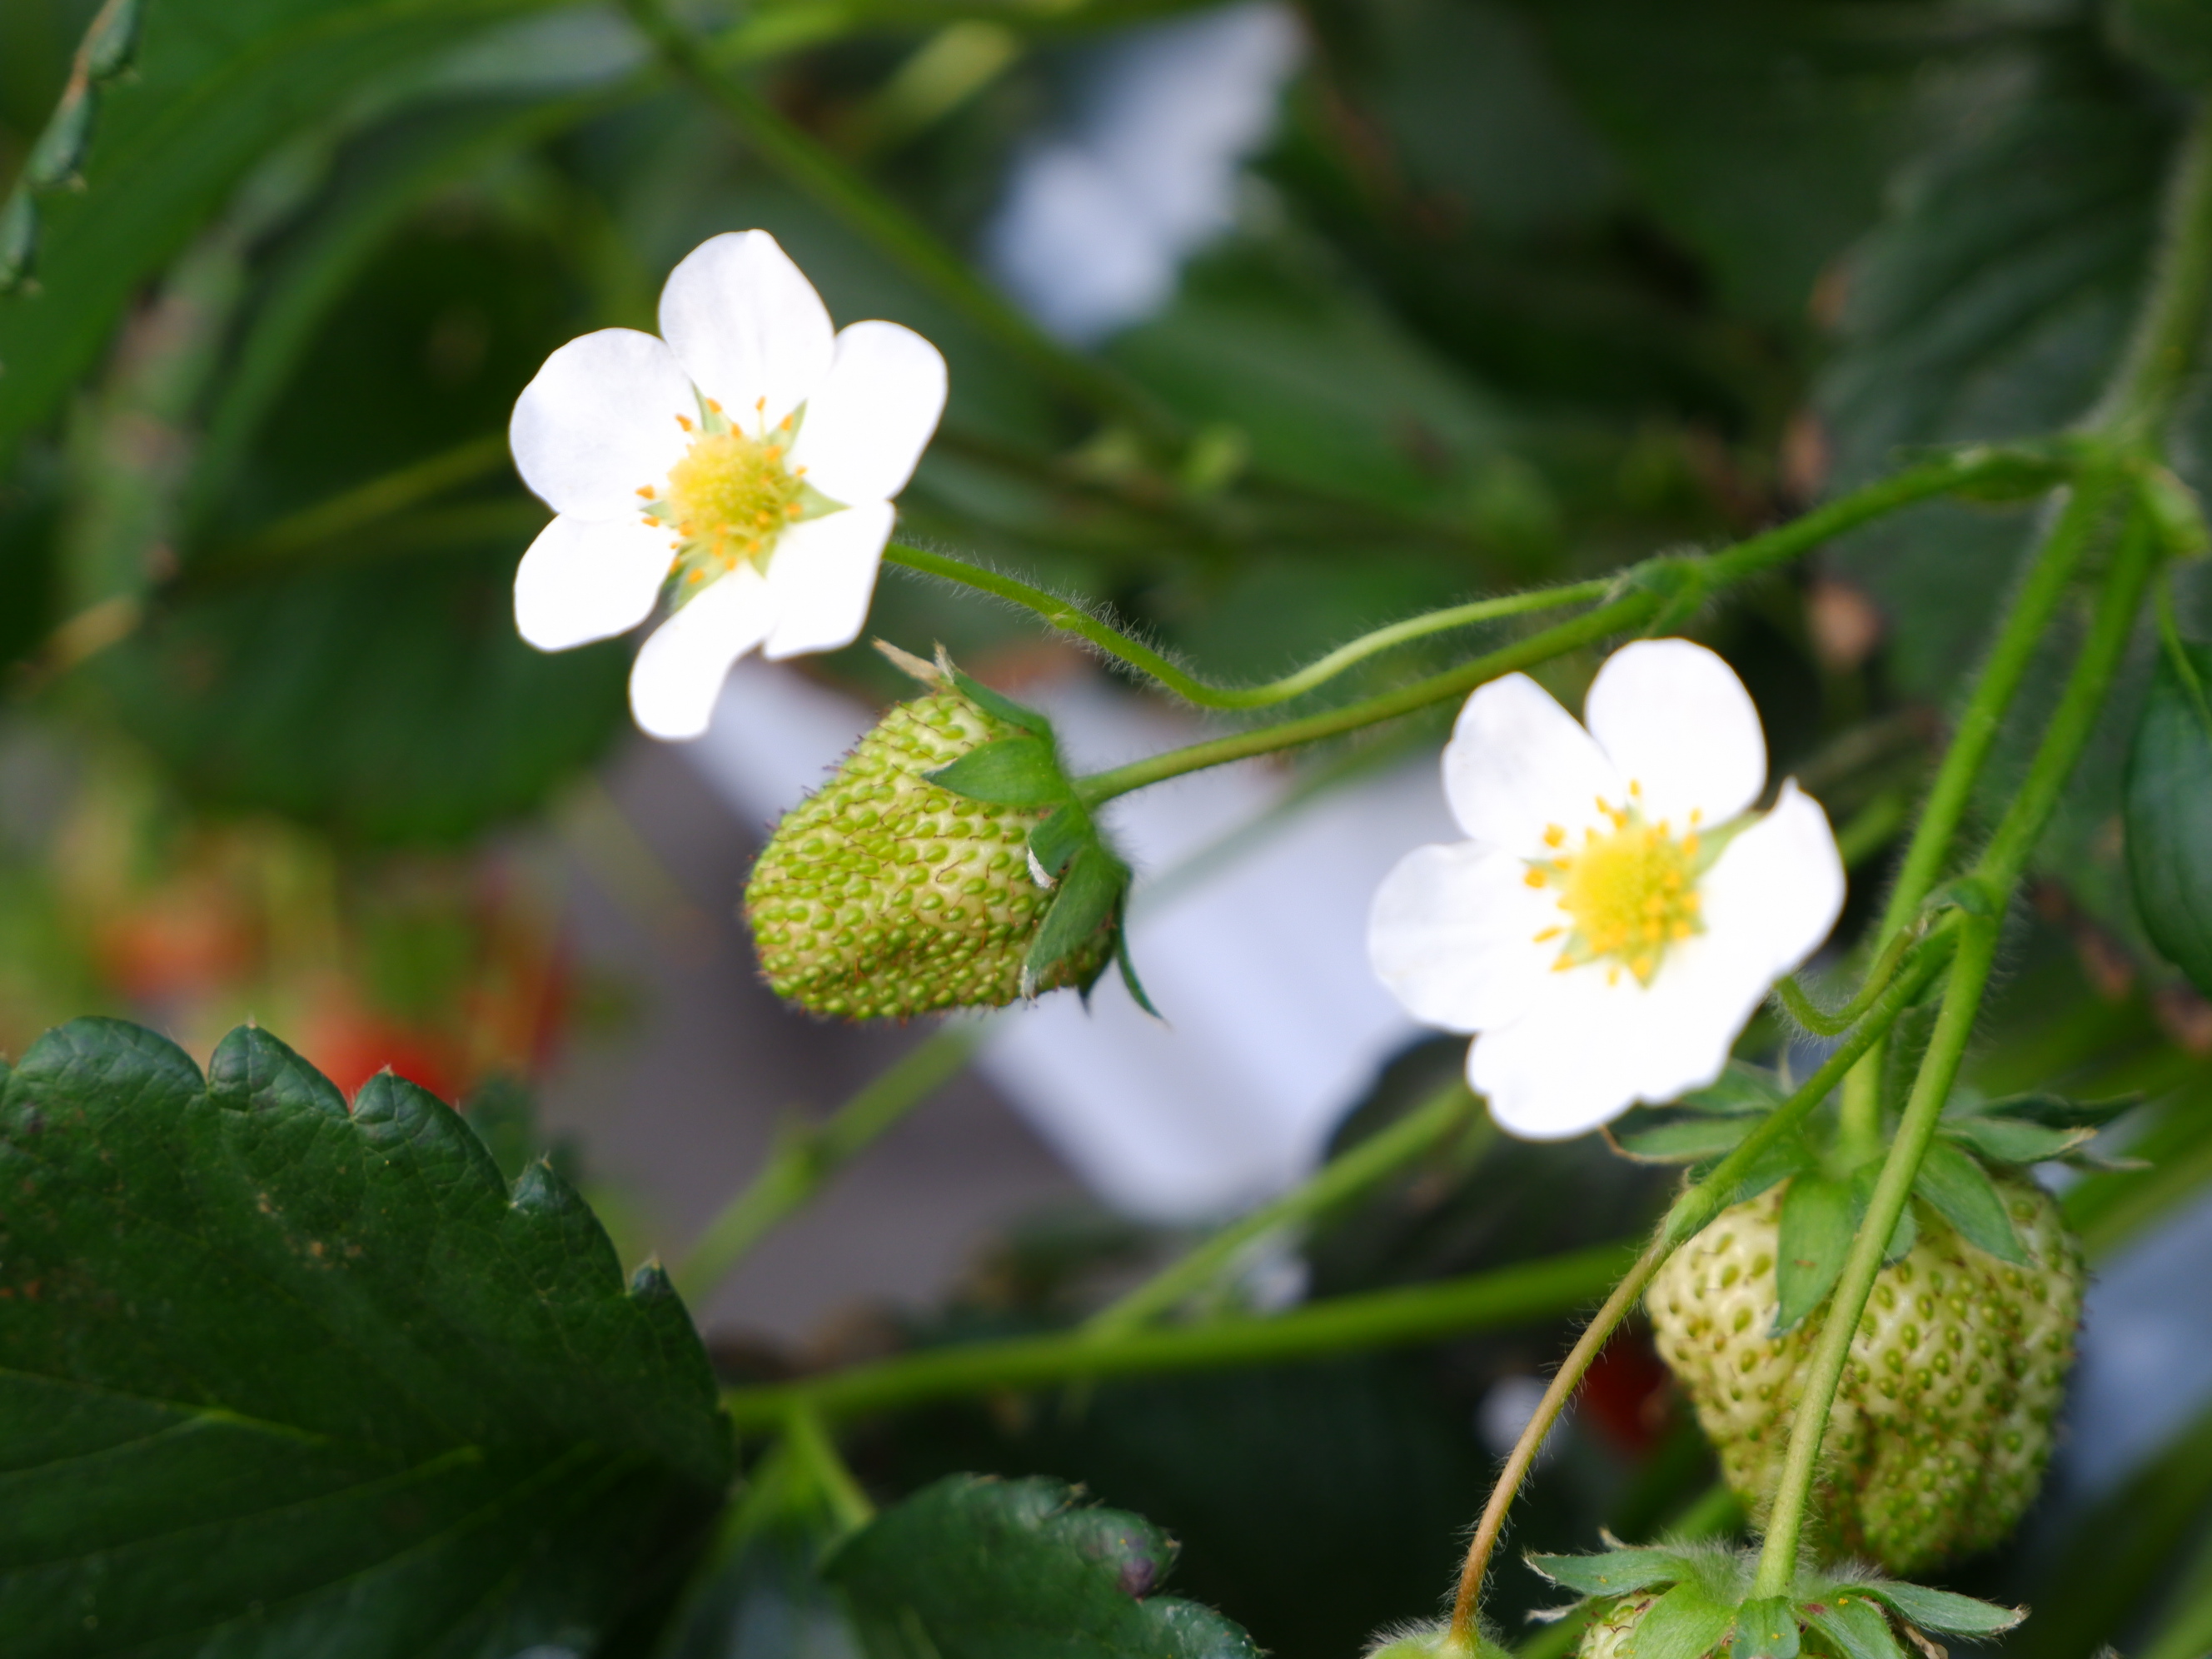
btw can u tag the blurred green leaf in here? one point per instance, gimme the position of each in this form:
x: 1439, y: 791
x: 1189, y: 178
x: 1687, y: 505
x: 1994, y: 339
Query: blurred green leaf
x: 281, y: 1377
x: 2169, y: 813
x: 214, y: 85
x: 975, y: 1568
x: 1819, y: 1221
x: 394, y: 705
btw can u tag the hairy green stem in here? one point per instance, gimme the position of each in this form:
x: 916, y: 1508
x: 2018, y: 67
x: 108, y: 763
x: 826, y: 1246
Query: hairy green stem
x: 1656, y: 586
x: 1500, y: 1298
x: 2000, y: 867
x: 1564, y: 1381
x: 905, y: 239
x: 805, y: 1156
x: 1803, y: 1009
x: 2170, y: 328
x: 1343, y: 1177
x: 1071, y: 617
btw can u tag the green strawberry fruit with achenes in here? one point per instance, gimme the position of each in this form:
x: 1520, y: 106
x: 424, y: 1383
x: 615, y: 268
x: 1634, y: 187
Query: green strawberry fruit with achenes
x: 1941, y: 1423
x: 886, y: 893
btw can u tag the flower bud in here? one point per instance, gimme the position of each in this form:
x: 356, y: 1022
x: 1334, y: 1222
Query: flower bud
x: 886, y: 893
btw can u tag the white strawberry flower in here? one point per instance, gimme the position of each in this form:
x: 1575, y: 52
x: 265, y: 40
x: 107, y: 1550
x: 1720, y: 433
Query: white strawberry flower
x: 1620, y: 912
x: 742, y: 464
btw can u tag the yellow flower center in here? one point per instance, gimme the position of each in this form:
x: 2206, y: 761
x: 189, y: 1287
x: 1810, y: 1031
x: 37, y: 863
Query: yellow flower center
x: 1627, y: 893
x: 727, y: 501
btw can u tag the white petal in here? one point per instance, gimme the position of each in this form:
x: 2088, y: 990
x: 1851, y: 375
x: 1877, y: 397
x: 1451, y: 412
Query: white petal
x: 867, y: 423
x: 1518, y: 763
x: 1566, y: 1065
x: 747, y: 325
x: 1587, y: 1049
x: 587, y: 579
x: 1772, y: 897
x: 823, y: 576
x: 599, y: 423
x: 1452, y: 934
x: 1675, y: 719
x: 679, y: 673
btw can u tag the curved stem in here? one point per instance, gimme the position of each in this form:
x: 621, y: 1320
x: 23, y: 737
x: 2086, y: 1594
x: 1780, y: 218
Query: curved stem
x: 1563, y: 1382
x: 1071, y: 617
x: 1498, y: 1299
x: 1806, y: 1012
x: 2000, y: 866
x: 858, y: 202
x: 806, y: 1157
x: 1650, y: 595
x: 1344, y: 1176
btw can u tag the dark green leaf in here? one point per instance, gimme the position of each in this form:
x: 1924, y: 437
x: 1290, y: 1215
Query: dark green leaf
x: 973, y: 1568
x: 1616, y: 1573
x: 1943, y: 1611
x: 1134, y: 986
x: 1009, y: 772
x: 1739, y: 1091
x: 1649, y: 1138
x: 1857, y: 1628
x: 2007, y: 1140
x: 342, y: 1390
x: 1961, y: 1192
x: 214, y: 85
x: 2169, y: 813
x: 1685, y: 1623
x: 2171, y: 37
x: 1089, y: 898
x: 1765, y: 1628
x: 2057, y: 1112
x: 392, y: 705
x: 1780, y: 1160
x: 1819, y: 1217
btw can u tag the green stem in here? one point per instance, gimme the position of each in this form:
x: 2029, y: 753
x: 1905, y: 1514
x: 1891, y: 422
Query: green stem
x: 2163, y: 353
x: 1071, y: 617
x: 1651, y: 592
x: 1498, y: 1299
x: 905, y: 239
x: 1806, y: 1012
x: 1343, y: 1177
x: 815, y: 1455
x: 1999, y: 867
x: 1564, y: 1381
x: 806, y: 1157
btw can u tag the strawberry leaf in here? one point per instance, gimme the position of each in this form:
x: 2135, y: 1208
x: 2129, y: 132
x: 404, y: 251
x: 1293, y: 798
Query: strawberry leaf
x: 1960, y: 1191
x: 1616, y: 1573
x: 1687, y: 1622
x: 1857, y: 1627
x: 1765, y: 1628
x: 1818, y: 1216
x: 1943, y: 1610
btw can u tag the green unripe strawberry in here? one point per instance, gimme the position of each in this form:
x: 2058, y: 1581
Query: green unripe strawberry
x: 885, y: 894
x: 1943, y: 1420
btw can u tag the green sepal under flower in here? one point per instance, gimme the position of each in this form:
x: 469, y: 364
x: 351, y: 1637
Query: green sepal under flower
x: 1689, y: 1601
x: 948, y: 863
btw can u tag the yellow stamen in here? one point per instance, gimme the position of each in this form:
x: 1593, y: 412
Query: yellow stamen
x: 1625, y: 896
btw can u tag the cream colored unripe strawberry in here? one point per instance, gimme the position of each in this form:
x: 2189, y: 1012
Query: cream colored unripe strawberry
x: 1942, y: 1422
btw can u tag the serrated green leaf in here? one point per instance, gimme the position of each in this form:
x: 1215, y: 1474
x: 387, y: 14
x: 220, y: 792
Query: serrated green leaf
x: 1739, y: 1091
x: 2010, y: 1141
x: 1765, y: 1628
x: 1616, y: 1573
x: 1685, y: 1623
x: 2169, y: 813
x: 1648, y: 1137
x: 1856, y: 1627
x: 975, y: 1568
x: 344, y: 1392
x: 1943, y: 1610
x: 1960, y: 1191
x: 1818, y: 1216
x: 214, y: 85
x: 1009, y: 772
